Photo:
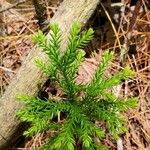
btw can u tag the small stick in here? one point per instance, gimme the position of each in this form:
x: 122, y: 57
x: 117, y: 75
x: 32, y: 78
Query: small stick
x: 7, y: 70
x: 13, y: 5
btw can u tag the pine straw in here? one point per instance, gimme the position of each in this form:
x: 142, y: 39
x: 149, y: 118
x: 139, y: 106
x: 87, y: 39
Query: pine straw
x: 15, y: 44
x: 138, y: 58
x: 138, y: 136
x: 19, y: 25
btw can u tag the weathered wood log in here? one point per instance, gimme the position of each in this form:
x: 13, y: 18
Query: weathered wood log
x: 29, y: 77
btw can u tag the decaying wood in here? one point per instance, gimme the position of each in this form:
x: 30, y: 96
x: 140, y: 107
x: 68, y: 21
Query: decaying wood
x: 29, y: 77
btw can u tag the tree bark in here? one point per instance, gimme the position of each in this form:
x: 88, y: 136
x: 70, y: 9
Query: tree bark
x: 29, y: 76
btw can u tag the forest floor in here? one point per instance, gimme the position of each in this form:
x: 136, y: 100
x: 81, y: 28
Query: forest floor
x: 115, y: 29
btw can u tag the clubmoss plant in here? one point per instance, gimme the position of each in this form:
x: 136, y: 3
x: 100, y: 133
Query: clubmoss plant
x: 96, y: 104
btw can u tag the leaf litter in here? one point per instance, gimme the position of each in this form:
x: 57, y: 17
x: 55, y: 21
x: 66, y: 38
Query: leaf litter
x: 15, y: 46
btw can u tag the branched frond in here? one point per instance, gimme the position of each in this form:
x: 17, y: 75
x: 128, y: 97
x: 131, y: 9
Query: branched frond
x: 65, y: 139
x: 40, y: 39
x: 115, y: 79
x: 75, y: 42
x: 54, y: 44
x: 40, y: 113
x: 85, y: 38
x: 96, y: 104
x: 93, y: 87
x: 51, y: 46
x: 46, y: 68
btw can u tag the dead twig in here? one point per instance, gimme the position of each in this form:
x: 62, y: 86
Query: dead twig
x: 6, y: 69
x: 11, y: 6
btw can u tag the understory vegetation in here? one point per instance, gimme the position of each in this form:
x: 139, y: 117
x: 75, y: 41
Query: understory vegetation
x: 82, y: 104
